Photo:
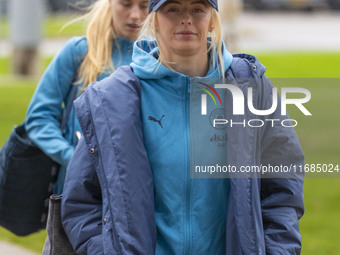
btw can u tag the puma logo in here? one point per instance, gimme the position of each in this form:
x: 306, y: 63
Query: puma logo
x: 158, y: 121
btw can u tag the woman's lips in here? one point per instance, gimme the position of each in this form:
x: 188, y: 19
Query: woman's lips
x: 185, y: 33
x: 133, y: 27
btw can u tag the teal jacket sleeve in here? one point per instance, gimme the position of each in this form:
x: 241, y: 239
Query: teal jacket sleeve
x: 45, y: 109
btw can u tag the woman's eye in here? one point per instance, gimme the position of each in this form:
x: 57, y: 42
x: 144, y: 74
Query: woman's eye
x: 197, y: 10
x: 125, y: 4
x: 144, y: 5
x: 173, y: 10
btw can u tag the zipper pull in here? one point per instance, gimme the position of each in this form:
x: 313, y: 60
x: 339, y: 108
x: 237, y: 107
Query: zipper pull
x: 189, y: 82
x: 78, y: 135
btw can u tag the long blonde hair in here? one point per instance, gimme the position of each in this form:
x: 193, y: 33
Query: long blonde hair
x: 149, y: 30
x: 99, y: 35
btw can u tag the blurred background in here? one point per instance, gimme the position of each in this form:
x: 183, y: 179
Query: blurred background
x: 297, y: 40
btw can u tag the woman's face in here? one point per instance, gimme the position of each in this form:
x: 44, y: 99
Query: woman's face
x: 182, y: 26
x: 128, y: 16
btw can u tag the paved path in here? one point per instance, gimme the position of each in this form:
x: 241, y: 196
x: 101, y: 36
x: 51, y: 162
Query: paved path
x: 10, y: 249
x: 273, y: 31
x: 301, y: 31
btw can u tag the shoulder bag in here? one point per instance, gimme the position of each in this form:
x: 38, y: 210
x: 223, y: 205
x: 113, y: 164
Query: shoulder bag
x: 27, y: 176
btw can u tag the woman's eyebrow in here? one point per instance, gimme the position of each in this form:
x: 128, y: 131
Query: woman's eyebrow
x: 172, y: 2
x: 200, y: 2
x: 179, y: 2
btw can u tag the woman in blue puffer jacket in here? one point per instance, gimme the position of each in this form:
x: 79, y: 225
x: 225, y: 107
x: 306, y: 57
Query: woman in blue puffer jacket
x: 132, y: 185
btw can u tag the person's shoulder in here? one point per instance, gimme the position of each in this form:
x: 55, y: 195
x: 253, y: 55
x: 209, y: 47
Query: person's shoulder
x: 76, y: 43
x: 246, y: 66
x: 123, y: 78
x: 121, y: 91
x: 73, y: 51
x: 121, y: 81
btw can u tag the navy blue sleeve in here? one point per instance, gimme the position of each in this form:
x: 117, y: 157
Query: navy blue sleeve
x: 82, y: 203
x: 281, y: 198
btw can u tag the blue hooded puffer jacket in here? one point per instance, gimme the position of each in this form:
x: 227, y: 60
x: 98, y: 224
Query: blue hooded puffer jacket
x: 108, y: 203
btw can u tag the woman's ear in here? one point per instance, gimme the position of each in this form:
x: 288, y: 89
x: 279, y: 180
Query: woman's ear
x: 211, y: 25
x: 156, y: 23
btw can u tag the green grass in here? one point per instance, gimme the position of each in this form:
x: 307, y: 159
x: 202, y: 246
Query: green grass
x: 34, y: 242
x: 14, y: 98
x: 320, y: 225
x: 319, y: 135
x: 51, y: 27
x: 5, y: 65
x: 53, y: 24
x: 301, y: 65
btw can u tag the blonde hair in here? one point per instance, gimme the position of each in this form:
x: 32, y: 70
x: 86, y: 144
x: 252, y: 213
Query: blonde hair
x: 99, y: 35
x: 149, y: 30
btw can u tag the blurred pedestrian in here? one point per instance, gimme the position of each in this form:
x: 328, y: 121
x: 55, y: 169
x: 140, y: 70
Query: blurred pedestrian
x: 230, y: 12
x: 128, y: 187
x: 113, y: 26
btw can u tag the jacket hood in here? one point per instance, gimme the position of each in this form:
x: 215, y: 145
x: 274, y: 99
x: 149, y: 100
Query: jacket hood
x: 145, y: 61
x: 246, y: 66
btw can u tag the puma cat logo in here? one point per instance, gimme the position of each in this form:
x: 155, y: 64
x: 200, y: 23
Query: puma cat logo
x: 158, y: 121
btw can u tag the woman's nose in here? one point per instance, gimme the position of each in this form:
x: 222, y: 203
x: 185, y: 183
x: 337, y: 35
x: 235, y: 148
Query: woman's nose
x: 186, y: 18
x: 136, y: 13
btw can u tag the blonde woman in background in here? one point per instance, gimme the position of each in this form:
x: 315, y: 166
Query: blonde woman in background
x: 113, y: 26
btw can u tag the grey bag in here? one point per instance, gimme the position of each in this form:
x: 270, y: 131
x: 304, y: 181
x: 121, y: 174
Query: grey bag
x: 56, y: 242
